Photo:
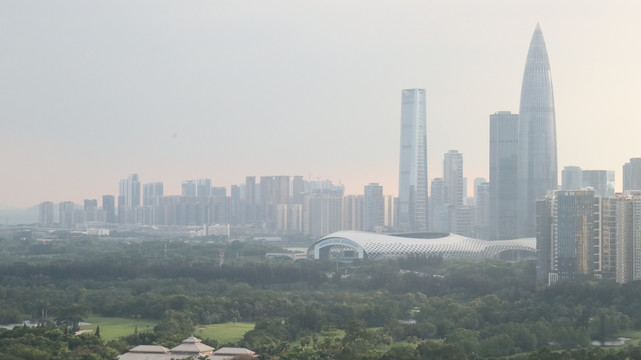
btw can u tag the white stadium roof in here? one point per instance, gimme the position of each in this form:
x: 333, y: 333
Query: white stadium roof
x: 375, y: 245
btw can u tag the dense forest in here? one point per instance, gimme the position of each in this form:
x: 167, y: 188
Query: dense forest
x: 409, y: 308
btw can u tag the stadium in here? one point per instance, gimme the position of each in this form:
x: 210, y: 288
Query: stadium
x: 348, y: 245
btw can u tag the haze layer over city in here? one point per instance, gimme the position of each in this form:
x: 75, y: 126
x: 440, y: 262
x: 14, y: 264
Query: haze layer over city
x: 92, y: 92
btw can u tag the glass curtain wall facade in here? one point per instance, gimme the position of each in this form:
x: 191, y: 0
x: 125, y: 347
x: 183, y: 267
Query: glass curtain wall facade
x: 504, y: 150
x: 412, y: 193
x: 537, y: 134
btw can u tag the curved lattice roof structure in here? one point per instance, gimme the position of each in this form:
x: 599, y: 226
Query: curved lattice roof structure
x: 375, y: 245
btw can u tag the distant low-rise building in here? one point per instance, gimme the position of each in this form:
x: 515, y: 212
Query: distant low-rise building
x: 189, y: 348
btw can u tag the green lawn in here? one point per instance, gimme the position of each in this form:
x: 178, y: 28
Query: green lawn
x: 635, y: 335
x: 112, y: 328
x: 332, y: 334
x: 224, y: 333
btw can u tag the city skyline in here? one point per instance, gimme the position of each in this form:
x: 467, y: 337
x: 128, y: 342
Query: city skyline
x: 93, y: 92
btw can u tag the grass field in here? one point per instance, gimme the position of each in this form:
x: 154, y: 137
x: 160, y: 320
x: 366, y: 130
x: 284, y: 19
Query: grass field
x: 634, y: 335
x: 332, y: 334
x: 113, y: 328
x: 224, y: 333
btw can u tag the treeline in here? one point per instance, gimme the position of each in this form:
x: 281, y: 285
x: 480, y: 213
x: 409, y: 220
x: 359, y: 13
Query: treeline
x: 257, y: 274
x: 50, y: 343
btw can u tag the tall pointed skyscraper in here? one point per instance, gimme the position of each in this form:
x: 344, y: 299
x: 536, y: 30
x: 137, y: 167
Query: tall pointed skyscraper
x: 537, y: 169
x: 412, y: 179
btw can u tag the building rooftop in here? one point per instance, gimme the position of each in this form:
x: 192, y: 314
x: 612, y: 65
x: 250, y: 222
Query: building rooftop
x: 189, y: 348
x: 192, y: 346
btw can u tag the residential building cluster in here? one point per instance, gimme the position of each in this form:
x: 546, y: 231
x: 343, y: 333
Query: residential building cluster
x: 273, y: 204
x: 585, y: 229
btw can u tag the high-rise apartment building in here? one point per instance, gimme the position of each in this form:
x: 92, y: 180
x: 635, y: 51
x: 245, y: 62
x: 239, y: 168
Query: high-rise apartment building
x: 109, y: 207
x: 151, y: 195
x: 90, y: 204
x: 46, y: 214
x: 477, y: 181
x: 461, y: 220
x: 439, y: 210
x: 412, y: 188
x: 188, y: 188
x: 608, y: 236
x: 353, y: 212
x: 568, y: 235
x: 282, y: 218
x: 250, y: 189
x: 322, y: 214
x: 67, y: 214
x: 577, y: 233
x: 632, y: 175
x: 390, y: 212
x: 298, y: 190
x: 250, y: 211
x: 537, y: 171
x: 324, y: 187
x: 571, y: 178
x: 504, y: 159
x: 482, y: 211
x: 582, y: 233
x: 217, y: 191
x: 373, y: 207
x: 546, y: 251
x: 453, y: 178
x: 236, y: 206
x: 274, y: 190
x: 628, y: 237
x: 91, y: 210
x: 203, y: 188
x: 151, y: 192
x: 575, y: 178
x: 295, y: 222
x: 130, y: 191
x: 601, y: 181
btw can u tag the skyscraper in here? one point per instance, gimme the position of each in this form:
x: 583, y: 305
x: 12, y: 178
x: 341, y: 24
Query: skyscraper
x: 453, y: 177
x: 203, y: 188
x: 298, y: 188
x: 602, y: 181
x: 571, y: 178
x: 46, y: 213
x: 322, y: 214
x: 568, y: 236
x: 151, y: 192
x: 576, y: 233
x: 412, y: 184
x: 251, y: 209
x: 130, y: 190
x: 250, y: 189
x: 482, y: 211
x: 537, y: 134
x: 188, y: 188
x: 90, y: 210
x: 439, y: 210
x: 504, y: 152
x: 67, y: 214
x: 373, y: 207
x: 108, y: 205
x: 353, y: 212
x: 632, y: 175
x: 628, y: 236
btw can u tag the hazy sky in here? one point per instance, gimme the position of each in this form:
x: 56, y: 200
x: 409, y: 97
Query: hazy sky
x: 91, y: 91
